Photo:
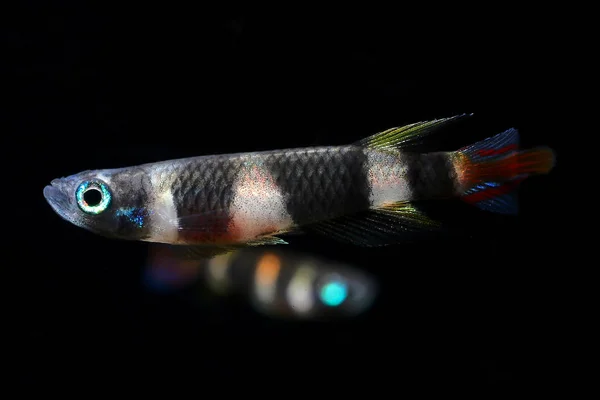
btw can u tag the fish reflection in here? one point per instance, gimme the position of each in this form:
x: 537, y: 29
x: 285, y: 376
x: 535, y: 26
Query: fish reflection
x: 278, y: 283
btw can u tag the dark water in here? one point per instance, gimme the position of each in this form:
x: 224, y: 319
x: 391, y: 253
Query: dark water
x: 107, y: 87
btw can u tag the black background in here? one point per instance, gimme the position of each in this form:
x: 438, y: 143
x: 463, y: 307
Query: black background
x: 105, y: 86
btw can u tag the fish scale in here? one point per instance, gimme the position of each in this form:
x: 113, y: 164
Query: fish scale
x: 321, y: 182
x: 204, y: 186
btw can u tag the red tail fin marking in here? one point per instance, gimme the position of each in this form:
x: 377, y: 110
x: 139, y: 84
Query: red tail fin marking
x: 527, y: 162
x: 494, y: 152
x: 492, y: 192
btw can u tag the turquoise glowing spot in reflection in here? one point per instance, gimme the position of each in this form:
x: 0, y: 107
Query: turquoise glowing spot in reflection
x: 334, y: 293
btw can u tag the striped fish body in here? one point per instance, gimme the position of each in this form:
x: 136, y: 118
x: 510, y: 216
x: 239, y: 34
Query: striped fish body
x: 240, y: 198
x: 364, y: 193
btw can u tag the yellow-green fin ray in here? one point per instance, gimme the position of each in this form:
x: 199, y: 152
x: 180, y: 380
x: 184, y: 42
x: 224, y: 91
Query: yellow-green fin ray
x: 406, y: 136
x: 409, y: 215
x: 394, y: 223
x: 196, y: 252
x: 266, y: 240
x: 199, y: 252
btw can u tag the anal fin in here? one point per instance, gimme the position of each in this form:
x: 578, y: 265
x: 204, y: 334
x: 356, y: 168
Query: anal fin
x: 199, y: 252
x: 195, y: 252
x: 266, y: 240
x: 394, y: 223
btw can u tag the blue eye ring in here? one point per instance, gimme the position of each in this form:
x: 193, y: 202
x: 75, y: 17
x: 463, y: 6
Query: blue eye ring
x: 105, y: 199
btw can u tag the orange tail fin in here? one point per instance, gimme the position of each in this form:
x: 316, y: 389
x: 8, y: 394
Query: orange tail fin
x: 489, y: 171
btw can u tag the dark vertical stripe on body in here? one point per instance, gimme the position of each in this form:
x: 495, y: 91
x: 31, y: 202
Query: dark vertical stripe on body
x: 202, y: 193
x: 430, y: 175
x: 321, y: 183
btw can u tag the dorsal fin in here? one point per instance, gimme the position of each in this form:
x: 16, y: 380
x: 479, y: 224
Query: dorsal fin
x: 406, y: 136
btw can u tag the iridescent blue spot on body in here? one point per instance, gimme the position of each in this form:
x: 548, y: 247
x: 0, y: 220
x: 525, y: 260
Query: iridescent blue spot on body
x: 135, y: 215
x: 334, y: 293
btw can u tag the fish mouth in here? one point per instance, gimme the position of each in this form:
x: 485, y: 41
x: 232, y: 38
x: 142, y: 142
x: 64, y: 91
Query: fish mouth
x: 56, y: 197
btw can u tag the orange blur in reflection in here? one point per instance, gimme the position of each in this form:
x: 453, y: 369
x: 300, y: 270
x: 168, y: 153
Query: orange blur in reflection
x: 268, y: 269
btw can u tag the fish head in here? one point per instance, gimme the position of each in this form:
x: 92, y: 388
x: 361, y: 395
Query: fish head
x: 111, y: 203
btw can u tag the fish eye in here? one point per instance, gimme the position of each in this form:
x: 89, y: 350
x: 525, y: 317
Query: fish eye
x: 93, y: 197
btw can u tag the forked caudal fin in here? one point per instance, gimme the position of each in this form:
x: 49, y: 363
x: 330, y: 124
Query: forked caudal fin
x: 489, y: 171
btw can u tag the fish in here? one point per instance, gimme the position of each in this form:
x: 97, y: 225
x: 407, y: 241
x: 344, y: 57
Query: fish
x: 365, y: 193
x: 276, y: 282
